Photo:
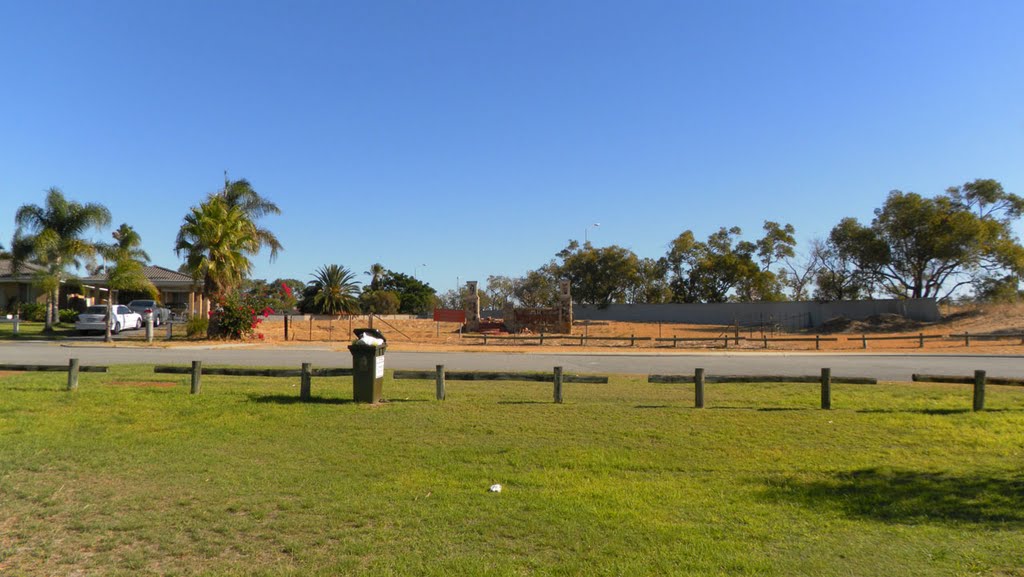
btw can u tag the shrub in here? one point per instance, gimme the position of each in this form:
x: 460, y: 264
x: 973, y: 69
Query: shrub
x: 238, y: 315
x: 68, y: 316
x: 35, y: 312
x: 196, y: 326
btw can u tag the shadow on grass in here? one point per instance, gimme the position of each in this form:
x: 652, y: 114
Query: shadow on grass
x: 933, y: 411
x: 525, y: 402
x: 781, y: 409
x: 912, y: 497
x: 651, y: 407
x: 294, y: 400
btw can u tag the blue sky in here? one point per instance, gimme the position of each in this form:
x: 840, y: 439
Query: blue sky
x: 456, y: 140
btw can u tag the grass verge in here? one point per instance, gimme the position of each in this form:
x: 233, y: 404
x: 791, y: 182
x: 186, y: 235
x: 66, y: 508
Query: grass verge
x: 130, y: 475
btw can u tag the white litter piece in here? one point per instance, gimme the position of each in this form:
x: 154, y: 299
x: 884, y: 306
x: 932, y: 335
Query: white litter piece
x: 366, y: 339
x: 495, y: 488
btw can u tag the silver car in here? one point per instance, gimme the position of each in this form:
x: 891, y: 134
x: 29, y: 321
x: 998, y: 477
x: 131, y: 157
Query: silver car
x: 160, y: 314
x: 95, y: 318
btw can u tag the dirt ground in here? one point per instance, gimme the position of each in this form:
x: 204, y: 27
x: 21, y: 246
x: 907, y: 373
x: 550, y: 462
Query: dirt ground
x: 425, y: 334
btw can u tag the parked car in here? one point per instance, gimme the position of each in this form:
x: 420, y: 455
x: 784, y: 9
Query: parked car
x: 144, y: 307
x: 95, y: 318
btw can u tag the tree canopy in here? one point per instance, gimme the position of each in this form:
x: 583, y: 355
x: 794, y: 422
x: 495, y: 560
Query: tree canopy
x: 219, y: 237
x: 52, y: 236
x: 920, y: 247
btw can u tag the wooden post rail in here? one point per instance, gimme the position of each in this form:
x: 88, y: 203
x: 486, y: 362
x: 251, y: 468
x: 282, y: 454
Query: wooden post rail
x: 675, y: 340
x: 675, y: 379
x: 964, y: 380
x: 497, y: 376
x: 305, y: 374
x: 254, y: 372
x: 920, y: 338
x: 52, y: 368
x: 540, y: 338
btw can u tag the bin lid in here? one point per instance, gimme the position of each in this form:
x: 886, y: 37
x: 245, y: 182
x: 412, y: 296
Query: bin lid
x: 372, y: 332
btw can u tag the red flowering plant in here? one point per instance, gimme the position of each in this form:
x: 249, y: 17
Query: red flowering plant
x: 237, y: 316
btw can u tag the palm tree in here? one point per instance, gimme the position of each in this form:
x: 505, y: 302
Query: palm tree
x: 376, y: 271
x: 123, y: 268
x: 220, y: 235
x: 239, y: 193
x: 217, y: 240
x: 334, y: 290
x: 51, y: 236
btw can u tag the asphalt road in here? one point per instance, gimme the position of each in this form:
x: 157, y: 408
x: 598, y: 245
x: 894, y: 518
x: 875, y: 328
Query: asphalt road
x: 885, y: 367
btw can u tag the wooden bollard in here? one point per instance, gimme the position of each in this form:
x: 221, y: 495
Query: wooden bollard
x: 286, y: 321
x: 979, y: 390
x: 72, y: 374
x: 826, y: 388
x: 863, y: 341
x: 920, y: 337
x: 817, y: 342
x: 197, y: 375
x: 306, y: 384
x: 558, y: 384
x: 698, y: 388
x: 967, y: 339
x: 440, y: 383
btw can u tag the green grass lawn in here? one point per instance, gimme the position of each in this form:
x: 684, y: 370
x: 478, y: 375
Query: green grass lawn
x: 33, y: 330
x: 61, y: 331
x: 126, y: 476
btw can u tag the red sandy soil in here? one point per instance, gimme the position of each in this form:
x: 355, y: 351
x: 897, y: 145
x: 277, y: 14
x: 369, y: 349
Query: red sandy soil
x: 425, y: 334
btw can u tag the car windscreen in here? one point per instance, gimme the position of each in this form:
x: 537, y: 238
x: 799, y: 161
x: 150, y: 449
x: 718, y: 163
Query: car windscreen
x: 96, y: 310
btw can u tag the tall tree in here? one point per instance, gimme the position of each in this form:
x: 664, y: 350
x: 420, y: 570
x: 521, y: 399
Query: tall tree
x: 124, y: 259
x: 539, y: 288
x: 376, y: 271
x: 725, y: 267
x: 598, y: 276
x: 500, y: 291
x: 240, y: 194
x: 52, y: 236
x: 922, y: 247
x: 415, y: 296
x: 217, y: 240
x: 650, y: 286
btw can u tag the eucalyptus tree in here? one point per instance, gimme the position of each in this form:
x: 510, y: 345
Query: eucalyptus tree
x: 123, y: 268
x: 52, y: 236
x: 921, y: 247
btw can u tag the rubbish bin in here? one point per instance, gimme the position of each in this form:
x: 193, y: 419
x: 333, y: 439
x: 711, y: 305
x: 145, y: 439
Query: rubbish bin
x: 367, y: 365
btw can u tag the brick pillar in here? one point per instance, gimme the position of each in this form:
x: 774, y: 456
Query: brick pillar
x: 565, y: 307
x: 472, y: 306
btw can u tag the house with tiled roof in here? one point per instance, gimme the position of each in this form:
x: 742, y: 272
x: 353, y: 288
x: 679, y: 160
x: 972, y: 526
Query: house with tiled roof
x: 176, y: 290
x: 18, y: 287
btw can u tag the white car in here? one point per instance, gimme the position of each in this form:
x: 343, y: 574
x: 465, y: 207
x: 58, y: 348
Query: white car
x: 95, y: 318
